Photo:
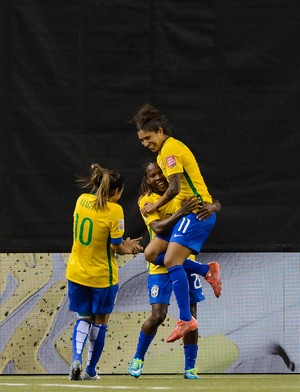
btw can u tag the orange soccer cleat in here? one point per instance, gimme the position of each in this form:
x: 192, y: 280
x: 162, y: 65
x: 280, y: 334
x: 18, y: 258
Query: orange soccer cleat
x: 182, y: 328
x: 213, y: 278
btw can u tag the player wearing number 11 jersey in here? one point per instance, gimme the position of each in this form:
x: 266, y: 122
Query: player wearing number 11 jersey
x: 181, y: 169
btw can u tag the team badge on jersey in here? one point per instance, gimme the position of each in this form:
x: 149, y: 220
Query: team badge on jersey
x: 121, y: 224
x: 154, y: 291
x: 171, y: 161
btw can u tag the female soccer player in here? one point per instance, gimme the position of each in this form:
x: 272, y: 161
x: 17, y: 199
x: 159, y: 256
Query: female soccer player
x: 180, y: 167
x: 153, y: 185
x: 92, y: 270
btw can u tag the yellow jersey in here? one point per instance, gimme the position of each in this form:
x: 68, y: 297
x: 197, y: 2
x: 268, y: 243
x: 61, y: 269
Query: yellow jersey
x: 175, y: 157
x: 92, y: 260
x: 162, y: 213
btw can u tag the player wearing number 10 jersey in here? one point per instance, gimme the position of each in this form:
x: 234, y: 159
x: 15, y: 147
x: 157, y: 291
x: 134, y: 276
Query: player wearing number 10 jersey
x: 92, y: 270
x: 92, y: 261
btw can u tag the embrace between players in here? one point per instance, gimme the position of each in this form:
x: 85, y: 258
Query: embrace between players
x: 179, y: 213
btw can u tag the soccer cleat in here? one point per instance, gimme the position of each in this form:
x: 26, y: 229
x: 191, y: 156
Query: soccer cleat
x: 75, y: 370
x: 182, y: 328
x: 191, y: 374
x: 135, y: 368
x: 213, y: 278
x: 86, y: 377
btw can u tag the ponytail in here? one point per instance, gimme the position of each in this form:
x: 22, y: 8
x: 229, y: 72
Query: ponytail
x: 103, y: 183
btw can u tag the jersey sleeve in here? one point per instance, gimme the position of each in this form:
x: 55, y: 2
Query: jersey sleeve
x: 149, y: 217
x: 171, y: 154
x: 117, y: 225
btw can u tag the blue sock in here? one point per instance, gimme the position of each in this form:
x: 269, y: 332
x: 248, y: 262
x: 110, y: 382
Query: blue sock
x: 143, y: 345
x: 189, y: 265
x: 160, y: 259
x: 195, y: 267
x: 96, y: 344
x: 181, y: 290
x: 190, y: 355
x: 80, y: 334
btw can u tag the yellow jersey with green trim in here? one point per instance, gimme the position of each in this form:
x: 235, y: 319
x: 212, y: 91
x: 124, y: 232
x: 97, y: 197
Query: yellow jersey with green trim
x: 92, y: 260
x: 175, y: 157
x: 162, y: 213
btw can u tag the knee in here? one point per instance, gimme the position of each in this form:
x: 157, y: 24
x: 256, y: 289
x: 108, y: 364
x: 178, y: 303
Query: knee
x: 168, y: 263
x: 150, y: 254
x: 158, y: 317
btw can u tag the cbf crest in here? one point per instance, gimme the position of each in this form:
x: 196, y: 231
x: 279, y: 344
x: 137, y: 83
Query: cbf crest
x: 154, y: 291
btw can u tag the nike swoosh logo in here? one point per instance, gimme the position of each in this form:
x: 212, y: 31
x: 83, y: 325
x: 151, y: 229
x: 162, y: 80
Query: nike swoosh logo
x: 135, y: 371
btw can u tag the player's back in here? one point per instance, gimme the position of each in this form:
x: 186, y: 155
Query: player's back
x: 92, y: 261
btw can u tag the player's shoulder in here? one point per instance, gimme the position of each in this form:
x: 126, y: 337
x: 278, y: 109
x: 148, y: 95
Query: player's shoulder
x: 173, y: 144
x: 115, y: 207
x: 86, y: 196
x: 86, y: 201
x: 150, y: 198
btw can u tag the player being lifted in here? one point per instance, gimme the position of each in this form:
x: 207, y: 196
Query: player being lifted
x: 181, y: 169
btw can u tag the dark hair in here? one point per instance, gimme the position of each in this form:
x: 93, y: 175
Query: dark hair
x: 149, y: 118
x: 145, y: 187
x: 103, y: 183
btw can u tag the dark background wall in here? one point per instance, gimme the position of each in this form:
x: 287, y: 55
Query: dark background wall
x: 226, y: 74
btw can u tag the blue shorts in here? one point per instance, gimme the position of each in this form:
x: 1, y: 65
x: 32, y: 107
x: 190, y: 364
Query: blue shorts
x: 160, y: 289
x: 89, y: 300
x: 191, y: 232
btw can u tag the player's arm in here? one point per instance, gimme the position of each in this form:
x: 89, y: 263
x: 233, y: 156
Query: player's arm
x: 172, y: 191
x: 217, y: 205
x: 160, y: 226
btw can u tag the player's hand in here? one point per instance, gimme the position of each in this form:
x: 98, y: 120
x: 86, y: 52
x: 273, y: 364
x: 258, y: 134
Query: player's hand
x: 189, y: 204
x: 148, y: 208
x: 206, y: 210
x: 134, y: 245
